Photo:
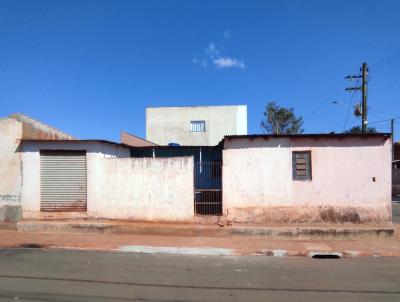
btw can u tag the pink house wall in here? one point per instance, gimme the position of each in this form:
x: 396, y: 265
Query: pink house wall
x: 351, y: 180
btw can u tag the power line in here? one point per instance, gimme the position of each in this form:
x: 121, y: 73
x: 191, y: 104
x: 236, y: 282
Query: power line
x: 363, y: 88
x: 348, y: 109
x: 371, y: 108
x: 387, y: 110
x: 391, y: 100
x: 378, y: 116
x: 386, y: 61
x: 389, y: 119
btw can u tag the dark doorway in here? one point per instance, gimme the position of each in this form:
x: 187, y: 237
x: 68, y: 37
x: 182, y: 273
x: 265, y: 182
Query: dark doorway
x: 208, y: 188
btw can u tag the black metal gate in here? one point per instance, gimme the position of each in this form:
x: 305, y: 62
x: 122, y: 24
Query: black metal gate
x: 208, y: 188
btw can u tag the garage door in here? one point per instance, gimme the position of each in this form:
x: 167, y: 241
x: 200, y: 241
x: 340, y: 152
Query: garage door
x: 63, y: 181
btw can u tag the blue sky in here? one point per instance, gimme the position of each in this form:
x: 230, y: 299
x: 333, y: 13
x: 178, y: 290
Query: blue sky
x: 91, y: 68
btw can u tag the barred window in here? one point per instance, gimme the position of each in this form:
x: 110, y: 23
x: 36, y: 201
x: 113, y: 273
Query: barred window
x: 301, y: 161
x: 197, y: 126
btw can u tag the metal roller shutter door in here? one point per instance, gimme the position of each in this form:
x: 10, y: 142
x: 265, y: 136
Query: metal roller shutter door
x: 63, y: 181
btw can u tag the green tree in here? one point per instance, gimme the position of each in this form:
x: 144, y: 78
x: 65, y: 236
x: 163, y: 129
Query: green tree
x: 357, y: 129
x: 280, y: 120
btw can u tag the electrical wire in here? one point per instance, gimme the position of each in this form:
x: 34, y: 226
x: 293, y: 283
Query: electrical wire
x: 372, y: 108
x: 386, y: 120
x: 386, y: 61
x: 392, y: 100
x: 350, y: 103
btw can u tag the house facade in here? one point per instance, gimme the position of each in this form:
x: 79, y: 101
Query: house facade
x: 194, y: 126
x: 13, y: 129
x: 307, y: 178
x: 99, y: 179
x: 322, y: 178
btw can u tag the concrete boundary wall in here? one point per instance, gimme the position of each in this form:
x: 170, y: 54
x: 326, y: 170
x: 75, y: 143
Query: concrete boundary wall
x: 12, y: 129
x: 10, y: 162
x: 351, y: 180
x: 30, y: 199
x: 153, y: 189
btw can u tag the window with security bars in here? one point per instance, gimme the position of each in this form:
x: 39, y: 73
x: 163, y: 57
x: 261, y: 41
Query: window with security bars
x: 301, y: 161
x: 197, y: 126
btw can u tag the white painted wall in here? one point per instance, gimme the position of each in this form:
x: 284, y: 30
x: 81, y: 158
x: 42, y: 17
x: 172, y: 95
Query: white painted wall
x: 166, y: 125
x: 10, y: 165
x: 31, y: 165
x: 241, y: 120
x: 117, y: 186
x: 153, y: 189
x: 258, y: 185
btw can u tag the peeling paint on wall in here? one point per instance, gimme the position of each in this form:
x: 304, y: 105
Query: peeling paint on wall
x: 160, y: 189
x: 12, y: 130
x: 9, y: 199
x: 309, y: 214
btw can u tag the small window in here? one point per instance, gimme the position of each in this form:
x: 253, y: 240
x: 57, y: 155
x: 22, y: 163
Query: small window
x: 301, y: 161
x: 197, y: 126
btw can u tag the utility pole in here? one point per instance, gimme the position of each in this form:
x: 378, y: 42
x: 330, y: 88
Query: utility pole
x: 364, y: 97
x: 363, y: 88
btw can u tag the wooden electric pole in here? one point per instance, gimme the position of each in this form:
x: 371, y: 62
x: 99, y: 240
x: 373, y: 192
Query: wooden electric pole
x: 364, y: 77
x: 364, y: 97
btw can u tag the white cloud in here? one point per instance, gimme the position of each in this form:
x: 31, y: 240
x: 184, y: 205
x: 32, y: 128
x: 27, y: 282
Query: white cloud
x: 201, y: 62
x: 213, y: 55
x: 226, y: 62
x: 212, y: 50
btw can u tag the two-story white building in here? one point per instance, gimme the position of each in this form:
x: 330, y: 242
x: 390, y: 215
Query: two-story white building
x: 194, y: 126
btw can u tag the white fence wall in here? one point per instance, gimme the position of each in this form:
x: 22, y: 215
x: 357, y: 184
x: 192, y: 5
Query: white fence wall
x: 142, y: 188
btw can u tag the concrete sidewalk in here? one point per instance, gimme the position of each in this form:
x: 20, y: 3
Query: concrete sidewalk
x: 236, y: 245
x: 203, y: 245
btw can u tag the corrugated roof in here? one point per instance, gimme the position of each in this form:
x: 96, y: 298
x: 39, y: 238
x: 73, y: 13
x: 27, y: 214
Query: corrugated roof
x: 114, y: 143
x: 74, y: 141
x: 137, y: 138
x: 310, y: 135
x: 175, y: 147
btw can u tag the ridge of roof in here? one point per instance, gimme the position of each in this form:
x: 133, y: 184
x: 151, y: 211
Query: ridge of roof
x: 383, y: 134
x: 74, y: 141
x: 138, y: 137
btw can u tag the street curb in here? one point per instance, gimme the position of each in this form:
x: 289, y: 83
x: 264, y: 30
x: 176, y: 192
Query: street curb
x: 295, y: 232
x: 210, y: 251
x: 329, y: 254
x: 171, y: 250
x: 8, y: 226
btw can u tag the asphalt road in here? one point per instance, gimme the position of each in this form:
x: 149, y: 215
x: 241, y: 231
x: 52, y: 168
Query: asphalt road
x: 38, y: 275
